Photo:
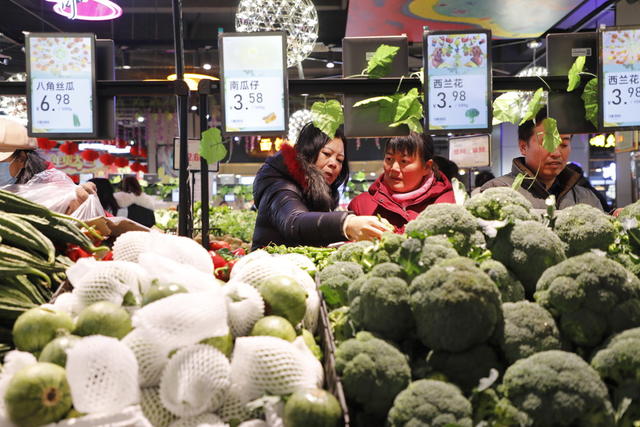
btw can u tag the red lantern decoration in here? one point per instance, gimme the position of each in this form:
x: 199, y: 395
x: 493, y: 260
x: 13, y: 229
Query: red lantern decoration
x: 121, y: 162
x: 142, y: 153
x: 75, y: 179
x: 121, y: 143
x: 134, y: 151
x: 90, y: 155
x: 144, y: 169
x: 46, y: 144
x: 69, y: 148
x: 106, y: 159
x: 135, y: 166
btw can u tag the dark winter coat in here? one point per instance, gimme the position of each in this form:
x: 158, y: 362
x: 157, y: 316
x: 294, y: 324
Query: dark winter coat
x: 378, y: 201
x: 295, y: 204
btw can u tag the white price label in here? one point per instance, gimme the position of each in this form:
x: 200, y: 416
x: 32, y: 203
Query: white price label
x: 252, y: 102
x: 61, y: 104
x: 622, y: 99
x: 457, y: 101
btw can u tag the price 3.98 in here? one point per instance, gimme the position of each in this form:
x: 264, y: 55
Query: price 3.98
x: 445, y: 101
x: 60, y: 99
x: 617, y: 96
x: 241, y: 102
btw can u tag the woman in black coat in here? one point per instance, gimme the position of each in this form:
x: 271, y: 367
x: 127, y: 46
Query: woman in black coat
x: 296, y: 192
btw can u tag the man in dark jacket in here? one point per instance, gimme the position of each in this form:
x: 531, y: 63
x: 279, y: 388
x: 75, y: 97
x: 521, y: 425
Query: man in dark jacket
x: 546, y: 173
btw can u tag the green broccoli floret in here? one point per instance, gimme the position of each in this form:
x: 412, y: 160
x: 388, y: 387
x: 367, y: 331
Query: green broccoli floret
x: 630, y: 219
x: 500, y: 203
x: 433, y: 252
x: 335, y: 280
x: 373, y: 372
x: 341, y: 324
x: 583, y: 227
x: 387, y: 269
x: 591, y: 297
x: 438, y: 239
x: 350, y: 269
x: 510, y: 288
x: 409, y: 257
x: 391, y: 242
x: 455, y: 305
x: 527, y: 248
x: 383, y: 307
x: 430, y: 403
x: 443, y: 218
x: 465, y: 369
x: 556, y: 388
x: 352, y: 251
x: 528, y: 329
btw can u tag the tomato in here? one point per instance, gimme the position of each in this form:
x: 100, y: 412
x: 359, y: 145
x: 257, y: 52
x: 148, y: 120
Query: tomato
x: 218, y: 261
x: 214, y: 245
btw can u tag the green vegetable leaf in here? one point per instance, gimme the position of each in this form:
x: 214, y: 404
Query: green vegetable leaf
x: 380, y: 63
x: 387, y: 111
x: 406, y: 105
x: 574, y: 73
x: 551, y: 139
x: 334, y: 297
x: 211, y: 146
x: 517, y: 183
x: 375, y: 101
x: 505, y: 108
x: 535, y: 105
x: 359, y: 176
x: 327, y: 116
x: 590, y: 99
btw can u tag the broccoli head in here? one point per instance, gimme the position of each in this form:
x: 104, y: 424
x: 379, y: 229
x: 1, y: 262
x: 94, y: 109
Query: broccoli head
x: 443, y: 218
x: 591, y: 297
x: 527, y: 248
x: 435, y: 249
x: 373, y: 372
x: 334, y: 290
x: 558, y: 388
x: 455, y: 305
x: 409, y: 257
x: 387, y: 269
x: 619, y: 362
x: 465, y: 369
x: 510, y: 288
x: 352, y: 251
x: 350, y: 269
x: 430, y: 403
x: 383, y: 307
x: 391, y: 242
x: 500, y: 203
x: 528, y: 329
x: 630, y: 219
x: 583, y: 227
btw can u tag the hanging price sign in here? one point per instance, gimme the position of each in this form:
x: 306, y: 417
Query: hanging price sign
x: 61, y: 85
x: 620, y: 78
x: 457, y: 81
x: 254, y: 83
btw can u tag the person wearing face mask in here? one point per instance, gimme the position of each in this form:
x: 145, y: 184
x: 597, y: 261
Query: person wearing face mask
x: 410, y: 182
x: 20, y: 162
x: 547, y: 172
x: 296, y: 192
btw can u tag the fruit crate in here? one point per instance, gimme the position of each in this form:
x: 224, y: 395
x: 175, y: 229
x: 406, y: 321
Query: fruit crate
x: 332, y: 381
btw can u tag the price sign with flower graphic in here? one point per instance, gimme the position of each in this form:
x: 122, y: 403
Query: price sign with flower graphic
x: 61, y: 85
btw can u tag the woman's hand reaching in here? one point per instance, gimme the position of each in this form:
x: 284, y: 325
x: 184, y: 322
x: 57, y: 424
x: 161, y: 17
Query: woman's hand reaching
x: 363, y: 227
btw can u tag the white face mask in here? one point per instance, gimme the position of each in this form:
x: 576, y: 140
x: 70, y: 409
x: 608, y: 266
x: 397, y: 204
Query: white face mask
x: 5, y: 174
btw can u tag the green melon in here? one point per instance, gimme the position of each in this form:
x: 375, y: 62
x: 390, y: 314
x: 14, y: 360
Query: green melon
x: 158, y: 291
x: 36, y: 327
x: 284, y: 296
x: 56, y: 351
x: 312, y: 408
x: 38, y: 394
x: 103, y: 318
x: 274, y: 326
x: 224, y: 343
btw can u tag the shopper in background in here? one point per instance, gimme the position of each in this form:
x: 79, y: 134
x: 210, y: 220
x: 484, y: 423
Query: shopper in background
x: 483, y: 177
x: 105, y: 194
x: 584, y: 182
x: 20, y: 162
x: 134, y: 203
x: 296, y: 193
x: 546, y: 172
x: 410, y: 182
x: 447, y: 167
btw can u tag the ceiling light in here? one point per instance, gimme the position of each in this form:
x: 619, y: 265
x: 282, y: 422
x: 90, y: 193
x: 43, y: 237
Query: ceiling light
x: 534, y: 44
x: 206, y: 66
x: 330, y: 64
x: 140, y: 119
x: 194, y: 108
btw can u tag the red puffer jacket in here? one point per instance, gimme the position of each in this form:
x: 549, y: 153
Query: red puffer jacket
x: 378, y: 201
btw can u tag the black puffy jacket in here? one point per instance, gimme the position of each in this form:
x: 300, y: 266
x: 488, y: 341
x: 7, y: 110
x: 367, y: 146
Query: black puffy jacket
x: 294, y: 204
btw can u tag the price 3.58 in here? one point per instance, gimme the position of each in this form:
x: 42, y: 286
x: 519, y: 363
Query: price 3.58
x: 241, y: 102
x: 60, y: 99
x: 445, y: 101
x: 617, y: 97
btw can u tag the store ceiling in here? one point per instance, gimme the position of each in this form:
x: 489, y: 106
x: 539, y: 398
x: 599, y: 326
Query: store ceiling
x: 144, y: 33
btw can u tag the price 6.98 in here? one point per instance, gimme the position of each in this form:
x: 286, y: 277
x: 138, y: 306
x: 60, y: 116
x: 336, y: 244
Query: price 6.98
x: 241, y: 102
x: 59, y: 99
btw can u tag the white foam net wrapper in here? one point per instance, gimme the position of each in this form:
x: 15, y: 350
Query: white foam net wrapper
x: 302, y: 261
x: 128, y: 246
x: 68, y: 303
x: 152, y: 407
x: 313, y: 365
x: 195, y: 381
x: 245, y: 307
x: 234, y: 407
x: 108, y: 281
x: 131, y: 416
x: 151, y: 356
x: 265, y: 267
x: 244, y: 261
x: 184, y: 319
x: 204, y: 420
x: 167, y: 271
x: 268, y: 365
x: 254, y: 423
x: 103, y: 375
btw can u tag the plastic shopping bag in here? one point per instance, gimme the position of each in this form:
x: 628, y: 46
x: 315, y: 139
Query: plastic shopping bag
x: 51, y: 188
x: 90, y: 208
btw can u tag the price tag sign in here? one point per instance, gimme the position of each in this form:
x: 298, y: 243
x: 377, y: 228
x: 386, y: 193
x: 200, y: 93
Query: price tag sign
x: 619, y: 91
x: 254, y: 83
x: 61, y: 85
x: 470, y: 151
x: 457, y: 81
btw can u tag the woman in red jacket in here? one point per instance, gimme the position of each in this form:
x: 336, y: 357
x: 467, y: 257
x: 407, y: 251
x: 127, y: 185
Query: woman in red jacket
x: 409, y: 184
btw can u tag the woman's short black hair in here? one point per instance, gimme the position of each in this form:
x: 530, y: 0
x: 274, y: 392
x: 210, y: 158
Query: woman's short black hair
x: 130, y: 184
x: 309, y: 143
x: 33, y: 164
x: 104, y: 189
x: 412, y: 144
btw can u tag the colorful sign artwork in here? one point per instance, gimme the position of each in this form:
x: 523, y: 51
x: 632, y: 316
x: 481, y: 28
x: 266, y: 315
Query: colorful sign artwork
x: 87, y: 10
x: 505, y: 18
